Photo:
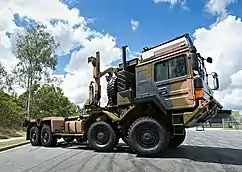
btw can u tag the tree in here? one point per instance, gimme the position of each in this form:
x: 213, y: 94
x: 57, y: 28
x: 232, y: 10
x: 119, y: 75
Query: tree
x: 11, y: 114
x: 3, y: 75
x: 236, y: 115
x: 35, y: 50
x: 6, y: 80
x: 49, y: 100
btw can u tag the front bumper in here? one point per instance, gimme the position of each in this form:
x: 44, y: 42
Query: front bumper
x: 205, y: 111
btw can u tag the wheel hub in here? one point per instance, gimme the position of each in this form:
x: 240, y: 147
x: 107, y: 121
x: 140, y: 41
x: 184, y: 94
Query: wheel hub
x: 148, y: 138
x: 45, y: 137
x: 33, y: 137
x: 101, y: 136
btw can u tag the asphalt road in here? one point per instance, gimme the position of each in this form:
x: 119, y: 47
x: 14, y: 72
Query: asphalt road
x: 205, y: 151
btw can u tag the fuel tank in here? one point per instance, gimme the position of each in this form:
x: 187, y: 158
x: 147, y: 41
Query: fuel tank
x: 74, y: 127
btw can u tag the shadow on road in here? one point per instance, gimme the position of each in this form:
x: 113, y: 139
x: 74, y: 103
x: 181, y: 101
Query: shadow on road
x: 195, y: 153
x: 206, y: 154
x: 121, y: 148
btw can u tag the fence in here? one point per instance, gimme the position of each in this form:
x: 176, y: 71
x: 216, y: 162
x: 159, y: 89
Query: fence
x: 230, y: 122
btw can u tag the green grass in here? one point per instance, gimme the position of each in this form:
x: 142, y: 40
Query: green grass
x: 6, y: 133
x: 12, y: 142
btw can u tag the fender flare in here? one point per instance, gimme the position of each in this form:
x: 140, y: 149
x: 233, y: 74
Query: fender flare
x: 111, y: 115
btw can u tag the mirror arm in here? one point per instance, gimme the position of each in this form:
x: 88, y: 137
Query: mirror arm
x: 215, y: 80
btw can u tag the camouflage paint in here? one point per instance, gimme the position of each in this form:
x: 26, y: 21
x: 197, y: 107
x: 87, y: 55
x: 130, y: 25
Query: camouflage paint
x: 112, y: 115
x: 124, y: 98
x: 173, y: 94
x: 178, y: 92
x: 74, y: 127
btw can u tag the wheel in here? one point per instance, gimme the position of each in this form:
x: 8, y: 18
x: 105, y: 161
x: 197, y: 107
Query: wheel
x: 125, y: 140
x: 47, y: 138
x: 35, y: 136
x: 177, y: 140
x: 147, y: 137
x: 68, y: 139
x: 101, y: 136
x: 112, y: 91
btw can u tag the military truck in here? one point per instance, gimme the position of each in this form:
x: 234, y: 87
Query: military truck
x: 151, y: 101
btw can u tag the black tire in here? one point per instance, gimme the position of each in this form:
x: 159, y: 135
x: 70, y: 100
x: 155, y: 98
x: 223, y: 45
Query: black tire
x: 47, y: 138
x: 101, y: 136
x: 68, y: 139
x: 35, y: 136
x: 142, y: 130
x: 177, y: 140
x: 112, y: 91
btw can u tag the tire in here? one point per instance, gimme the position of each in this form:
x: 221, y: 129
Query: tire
x: 35, y: 136
x: 68, y: 139
x: 112, y: 91
x: 177, y: 140
x: 47, y: 138
x: 147, y: 127
x: 101, y: 129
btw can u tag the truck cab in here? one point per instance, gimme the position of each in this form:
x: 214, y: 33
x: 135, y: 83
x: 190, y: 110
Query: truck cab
x: 179, y: 75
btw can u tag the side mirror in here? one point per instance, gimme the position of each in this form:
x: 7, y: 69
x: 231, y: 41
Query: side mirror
x: 215, y: 81
x: 209, y: 60
x: 195, y: 64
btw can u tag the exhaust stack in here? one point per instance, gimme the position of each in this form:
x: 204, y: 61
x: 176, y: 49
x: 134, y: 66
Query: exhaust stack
x: 124, y: 57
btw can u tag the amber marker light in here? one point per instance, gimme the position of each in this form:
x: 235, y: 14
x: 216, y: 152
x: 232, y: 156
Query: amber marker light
x: 199, y: 93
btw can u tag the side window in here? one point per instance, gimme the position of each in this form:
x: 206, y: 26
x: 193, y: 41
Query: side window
x: 169, y: 69
x: 161, y: 71
x: 177, y: 67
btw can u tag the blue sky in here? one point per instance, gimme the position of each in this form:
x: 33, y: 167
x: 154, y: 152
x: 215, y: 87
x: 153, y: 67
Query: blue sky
x: 158, y: 22
x: 216, y: 24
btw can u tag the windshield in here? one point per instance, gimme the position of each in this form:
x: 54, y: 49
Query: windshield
x: 202, y: 72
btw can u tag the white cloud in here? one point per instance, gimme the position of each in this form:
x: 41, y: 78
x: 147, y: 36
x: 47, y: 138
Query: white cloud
x: 134, y: 24
x: 172, y: 2
x: 223, y: 41
x: 219, y: 7
x: 78, y: 89
x: 39, y: 11
x: 75, y: 85
x: 214, y: 7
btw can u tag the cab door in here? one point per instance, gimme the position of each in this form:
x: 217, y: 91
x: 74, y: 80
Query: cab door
x: 174, y: 81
